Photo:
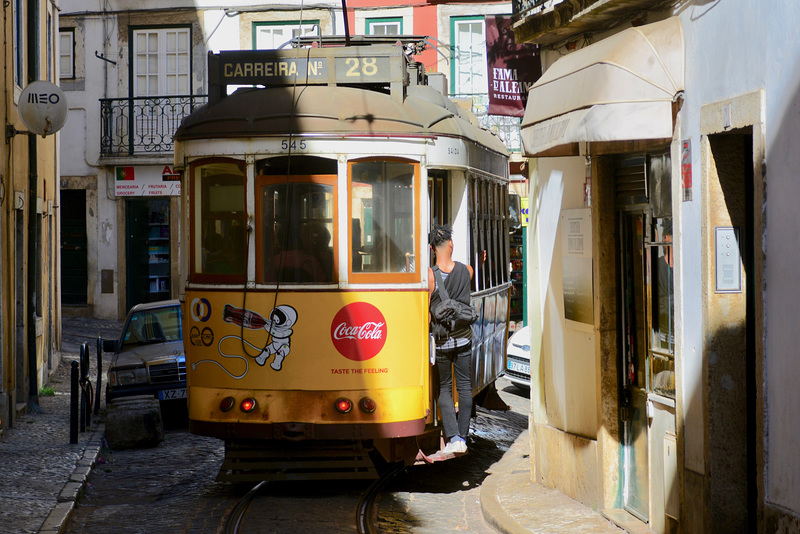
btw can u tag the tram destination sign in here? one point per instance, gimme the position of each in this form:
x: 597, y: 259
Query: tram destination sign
x: 309, y: 66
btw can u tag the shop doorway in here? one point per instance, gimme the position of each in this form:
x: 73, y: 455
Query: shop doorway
x: 74, y: 270
x: 147, y: 250
x: 646, y: 339
x: 632, y: 333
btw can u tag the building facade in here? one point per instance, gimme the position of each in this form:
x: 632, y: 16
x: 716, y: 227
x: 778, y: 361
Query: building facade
x: 29, y: 214
x: 663, y: 358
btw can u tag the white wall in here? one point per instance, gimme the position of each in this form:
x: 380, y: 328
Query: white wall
x: 735, y: 47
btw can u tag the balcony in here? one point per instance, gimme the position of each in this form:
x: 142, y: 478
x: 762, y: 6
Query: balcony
x: 506, y: 128
x: 143, y: 126
x: 555, y: 22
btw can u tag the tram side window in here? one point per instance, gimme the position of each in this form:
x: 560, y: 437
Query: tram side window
x: 219, y: 218
x: 297, y: 230
x: 382, y: 217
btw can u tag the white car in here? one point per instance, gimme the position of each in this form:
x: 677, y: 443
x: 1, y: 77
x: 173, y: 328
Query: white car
x: 518, y: 366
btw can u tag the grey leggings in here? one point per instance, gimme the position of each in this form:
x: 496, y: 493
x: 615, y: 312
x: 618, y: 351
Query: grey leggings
x: 460, y: 358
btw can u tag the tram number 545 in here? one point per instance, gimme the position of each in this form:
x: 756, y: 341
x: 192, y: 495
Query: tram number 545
x: 294, y: 145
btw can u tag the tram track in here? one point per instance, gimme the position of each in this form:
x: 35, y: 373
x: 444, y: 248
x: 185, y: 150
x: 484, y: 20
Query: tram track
x: 234, y: 520
x: 365, y: 512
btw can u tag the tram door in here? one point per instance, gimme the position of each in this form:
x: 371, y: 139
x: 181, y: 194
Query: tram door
x: 635, y: 476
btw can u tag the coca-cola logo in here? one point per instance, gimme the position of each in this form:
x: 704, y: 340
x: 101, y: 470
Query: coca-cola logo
x: 358, y: 331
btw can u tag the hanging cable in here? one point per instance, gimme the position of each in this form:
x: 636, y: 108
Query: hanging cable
x: 284, y: 237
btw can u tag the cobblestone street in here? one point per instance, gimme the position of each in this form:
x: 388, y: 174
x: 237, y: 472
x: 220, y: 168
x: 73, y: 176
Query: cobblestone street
x: 171, y: 488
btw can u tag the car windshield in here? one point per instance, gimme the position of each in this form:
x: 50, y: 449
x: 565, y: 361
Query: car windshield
x: 153, y: 326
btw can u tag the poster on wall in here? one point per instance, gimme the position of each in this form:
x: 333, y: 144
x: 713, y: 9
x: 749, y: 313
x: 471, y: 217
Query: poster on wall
x: 512, y: 68
x: 146, y: 181
x: 576, y: 265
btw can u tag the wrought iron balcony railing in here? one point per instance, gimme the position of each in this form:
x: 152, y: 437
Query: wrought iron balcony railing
x: 145, y: 125
x: 507, y: 128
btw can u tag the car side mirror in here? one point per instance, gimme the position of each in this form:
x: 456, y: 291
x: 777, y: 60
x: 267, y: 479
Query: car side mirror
x: 109, y: 345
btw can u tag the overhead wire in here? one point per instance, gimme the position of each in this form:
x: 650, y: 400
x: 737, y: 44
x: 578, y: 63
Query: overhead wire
x: 287, y: 204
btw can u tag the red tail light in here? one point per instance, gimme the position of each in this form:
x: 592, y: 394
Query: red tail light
x: 227, y: 404
x: 367, y: 405
x: 344, y: 405
x: 248, y: 405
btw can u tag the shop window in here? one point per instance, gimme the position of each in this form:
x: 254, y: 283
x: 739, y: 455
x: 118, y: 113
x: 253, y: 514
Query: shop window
x: 662, y: 339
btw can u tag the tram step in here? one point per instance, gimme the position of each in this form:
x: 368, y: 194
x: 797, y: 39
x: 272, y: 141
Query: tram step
x: 251, y: 463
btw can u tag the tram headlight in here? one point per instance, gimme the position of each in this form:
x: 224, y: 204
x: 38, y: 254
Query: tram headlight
x: 343, y: 405
x: 248, y: 405
x: 367, y: 405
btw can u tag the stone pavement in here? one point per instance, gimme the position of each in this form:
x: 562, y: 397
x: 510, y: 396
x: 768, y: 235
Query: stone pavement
x: 513, y: 504
x: 42, y: 474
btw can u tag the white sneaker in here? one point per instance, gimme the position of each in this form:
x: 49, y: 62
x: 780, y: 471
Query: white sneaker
x: 455, y: 447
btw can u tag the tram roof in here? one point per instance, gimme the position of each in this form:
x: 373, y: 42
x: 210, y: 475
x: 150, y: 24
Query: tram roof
x: 335, y: 111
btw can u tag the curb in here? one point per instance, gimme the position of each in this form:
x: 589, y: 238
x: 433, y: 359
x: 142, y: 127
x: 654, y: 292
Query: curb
x: 57, y: 520
x: 492, y: 509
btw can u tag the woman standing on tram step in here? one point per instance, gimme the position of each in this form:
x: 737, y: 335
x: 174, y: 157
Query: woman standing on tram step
x: 455, y: 349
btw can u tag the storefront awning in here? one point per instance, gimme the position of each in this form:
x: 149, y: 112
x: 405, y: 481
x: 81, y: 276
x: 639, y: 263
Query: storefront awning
x: 619, y: 89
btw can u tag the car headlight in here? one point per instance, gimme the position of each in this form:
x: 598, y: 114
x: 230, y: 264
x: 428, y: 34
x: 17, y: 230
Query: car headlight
x: 128, y: 377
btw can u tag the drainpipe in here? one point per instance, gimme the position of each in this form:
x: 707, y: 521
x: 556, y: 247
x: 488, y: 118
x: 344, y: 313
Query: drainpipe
x: 33, y: 234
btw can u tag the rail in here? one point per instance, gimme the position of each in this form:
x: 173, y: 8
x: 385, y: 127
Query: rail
x: 143, y: 125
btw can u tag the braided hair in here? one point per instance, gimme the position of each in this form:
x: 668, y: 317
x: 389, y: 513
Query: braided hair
x: 439, y: 235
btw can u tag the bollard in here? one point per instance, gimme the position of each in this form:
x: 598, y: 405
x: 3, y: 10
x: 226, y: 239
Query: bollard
x: 73, y: 404
x: 84, y: 372
x: 99, y: 374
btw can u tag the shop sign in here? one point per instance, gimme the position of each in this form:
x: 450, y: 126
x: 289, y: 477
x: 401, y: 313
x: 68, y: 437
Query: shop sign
x: 686, y: 169
x: 146, y: 181
x: 512, y: 68
x: 523, y: 217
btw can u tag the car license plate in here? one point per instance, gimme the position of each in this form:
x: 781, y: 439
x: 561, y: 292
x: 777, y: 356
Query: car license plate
x: 519, y: 367
x: 170, y: 394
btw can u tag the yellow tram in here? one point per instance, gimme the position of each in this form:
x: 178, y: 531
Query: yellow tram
x: 308, y: 196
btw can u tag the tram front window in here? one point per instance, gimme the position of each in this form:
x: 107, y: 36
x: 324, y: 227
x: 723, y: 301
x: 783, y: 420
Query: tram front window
x: 297, y: 230
x: 382, y: 217
x: 219, y: 218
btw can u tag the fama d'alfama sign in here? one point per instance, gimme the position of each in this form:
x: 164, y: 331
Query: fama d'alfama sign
x: 512, y: 68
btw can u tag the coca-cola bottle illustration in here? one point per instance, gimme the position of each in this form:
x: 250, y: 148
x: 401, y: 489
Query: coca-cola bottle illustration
x: 243, y: 317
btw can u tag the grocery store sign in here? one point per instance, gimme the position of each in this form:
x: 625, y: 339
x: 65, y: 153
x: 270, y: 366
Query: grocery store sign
x: 146, y: 181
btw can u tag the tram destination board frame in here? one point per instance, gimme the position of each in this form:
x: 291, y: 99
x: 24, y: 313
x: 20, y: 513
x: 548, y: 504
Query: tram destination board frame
x: 381, y: 65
